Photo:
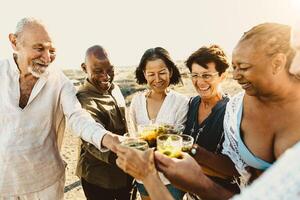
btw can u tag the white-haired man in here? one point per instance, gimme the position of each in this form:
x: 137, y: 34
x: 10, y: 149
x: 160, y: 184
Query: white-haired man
x: 35, y: 100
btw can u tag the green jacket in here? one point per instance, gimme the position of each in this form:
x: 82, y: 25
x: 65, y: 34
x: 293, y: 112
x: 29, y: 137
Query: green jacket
x: 108, y: 109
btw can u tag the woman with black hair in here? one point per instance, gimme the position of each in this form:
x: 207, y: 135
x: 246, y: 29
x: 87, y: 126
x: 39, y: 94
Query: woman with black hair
x: 158, y: 104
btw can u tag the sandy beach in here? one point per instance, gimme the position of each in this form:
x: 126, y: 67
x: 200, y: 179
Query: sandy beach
x: 70, y: 155
x: 70, y: 143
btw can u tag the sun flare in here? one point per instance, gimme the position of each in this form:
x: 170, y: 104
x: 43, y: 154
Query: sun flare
x: 295, y: 4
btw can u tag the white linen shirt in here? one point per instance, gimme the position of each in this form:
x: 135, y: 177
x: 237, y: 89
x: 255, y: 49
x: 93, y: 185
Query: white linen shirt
x: 30, y: 138
x: 230, y: 144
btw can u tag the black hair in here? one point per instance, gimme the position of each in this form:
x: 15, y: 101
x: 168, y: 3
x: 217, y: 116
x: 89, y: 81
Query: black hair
x: 153, y: 54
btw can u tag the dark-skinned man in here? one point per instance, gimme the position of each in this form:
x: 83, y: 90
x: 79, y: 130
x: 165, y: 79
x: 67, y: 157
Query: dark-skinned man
x: 100, y: 177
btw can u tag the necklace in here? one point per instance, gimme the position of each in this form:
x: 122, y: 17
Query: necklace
x: 196, y: 134
x: 215, y: 144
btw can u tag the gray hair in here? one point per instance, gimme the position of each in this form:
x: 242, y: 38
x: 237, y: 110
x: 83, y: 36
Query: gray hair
x: 274, y: 37
x: 25, y: 22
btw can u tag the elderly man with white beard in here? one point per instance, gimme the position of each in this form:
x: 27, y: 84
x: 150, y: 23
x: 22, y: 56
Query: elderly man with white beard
x: 35, y: 101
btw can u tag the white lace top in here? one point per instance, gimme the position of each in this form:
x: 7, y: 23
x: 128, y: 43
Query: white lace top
x: 230, y: 144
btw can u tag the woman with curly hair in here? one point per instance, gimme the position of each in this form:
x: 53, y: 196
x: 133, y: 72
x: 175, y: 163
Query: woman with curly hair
x: 206, y: 112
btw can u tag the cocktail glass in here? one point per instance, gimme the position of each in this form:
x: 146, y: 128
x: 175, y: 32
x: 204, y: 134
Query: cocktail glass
x: 170, y: 145
x: 187, y: 143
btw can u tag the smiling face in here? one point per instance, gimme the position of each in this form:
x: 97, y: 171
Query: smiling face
x: 157, y: 75
x: 34, y: 49
x: 99, y: 72
x: 252, y: 68
x: 206, y: 81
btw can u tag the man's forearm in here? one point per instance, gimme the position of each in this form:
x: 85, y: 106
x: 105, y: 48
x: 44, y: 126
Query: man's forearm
x: 110, y: 140
x: 80, y: 121
x: 211, y: 191
x: 107, y: 156
x: 219, y: 163
x: 156, y: 189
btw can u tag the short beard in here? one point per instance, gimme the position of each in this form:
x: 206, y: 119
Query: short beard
x: 36, y: 70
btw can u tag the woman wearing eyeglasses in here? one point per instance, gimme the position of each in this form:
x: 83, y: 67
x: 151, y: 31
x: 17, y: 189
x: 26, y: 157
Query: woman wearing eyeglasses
x: 158, y: 104
x: 207, y: 68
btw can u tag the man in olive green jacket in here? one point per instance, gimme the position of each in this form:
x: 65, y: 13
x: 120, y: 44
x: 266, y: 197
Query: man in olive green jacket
x: 100, y: 177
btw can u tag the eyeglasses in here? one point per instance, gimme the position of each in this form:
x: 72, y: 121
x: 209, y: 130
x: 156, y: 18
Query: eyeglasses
x: 203, y: 76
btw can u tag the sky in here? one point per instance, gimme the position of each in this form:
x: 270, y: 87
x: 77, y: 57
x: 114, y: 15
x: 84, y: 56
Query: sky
x: 126, y: 28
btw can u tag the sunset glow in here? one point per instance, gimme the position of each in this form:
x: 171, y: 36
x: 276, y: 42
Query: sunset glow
x: 127, y: 28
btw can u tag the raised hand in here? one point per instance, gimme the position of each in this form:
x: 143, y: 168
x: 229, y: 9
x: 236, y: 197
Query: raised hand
x: 187, y: 174
x: 110, y: 140
x: 139, y: 164
x: 183, y: 173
